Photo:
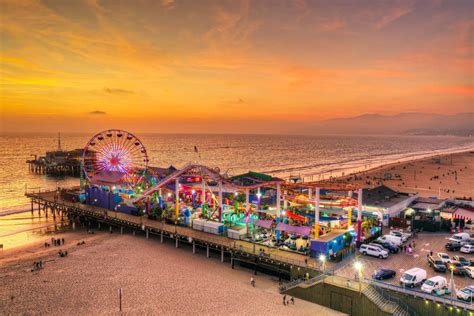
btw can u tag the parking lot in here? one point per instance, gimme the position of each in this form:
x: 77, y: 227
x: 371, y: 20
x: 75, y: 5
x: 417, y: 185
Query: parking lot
x: 400, y: 262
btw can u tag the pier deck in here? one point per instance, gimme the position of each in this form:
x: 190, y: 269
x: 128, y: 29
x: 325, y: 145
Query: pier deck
x: 239, y: 249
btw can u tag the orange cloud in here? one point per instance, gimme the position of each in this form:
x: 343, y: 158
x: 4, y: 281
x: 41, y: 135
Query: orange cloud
x: 198, y: 61
x: 457, y: 90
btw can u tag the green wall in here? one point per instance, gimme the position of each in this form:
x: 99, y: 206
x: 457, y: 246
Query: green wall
x: 430, y: 308
x: 338, y: 298
x: 351, y: 302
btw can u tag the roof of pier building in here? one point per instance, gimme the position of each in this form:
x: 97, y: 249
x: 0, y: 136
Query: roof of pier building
x: 252, y: 178
x: 162, y: 172
x: 383, y: 196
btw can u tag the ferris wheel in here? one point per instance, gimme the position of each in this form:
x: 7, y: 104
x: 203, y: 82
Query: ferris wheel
x: 114, y: 157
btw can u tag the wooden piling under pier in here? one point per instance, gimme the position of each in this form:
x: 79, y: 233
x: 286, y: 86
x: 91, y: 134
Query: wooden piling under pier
x: 274, y: 261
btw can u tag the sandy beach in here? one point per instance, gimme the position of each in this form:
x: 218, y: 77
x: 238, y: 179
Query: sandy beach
x: 446, y: 176
x: 160, y: 279
x: 156, y: 279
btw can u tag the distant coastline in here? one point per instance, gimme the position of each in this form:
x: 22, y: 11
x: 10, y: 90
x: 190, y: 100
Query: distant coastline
x: 364, y: 166
x: 310, y: 158
x: 335, y: 173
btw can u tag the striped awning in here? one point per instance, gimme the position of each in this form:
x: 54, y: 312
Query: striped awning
x: 464, y: 214
x: 297, y: 230
x: 264, y: 223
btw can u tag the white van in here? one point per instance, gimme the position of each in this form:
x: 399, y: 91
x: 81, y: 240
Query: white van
x: 434, y: 284
x: 397, y: 241
x: 413, y: 277
x: 459, y: 237
x: 373, y: 251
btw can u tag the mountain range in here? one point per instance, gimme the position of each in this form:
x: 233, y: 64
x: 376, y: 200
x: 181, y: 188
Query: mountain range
x: 412, y: 123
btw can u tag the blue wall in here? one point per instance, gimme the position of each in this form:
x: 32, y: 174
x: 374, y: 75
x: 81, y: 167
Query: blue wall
x: 322, y: 247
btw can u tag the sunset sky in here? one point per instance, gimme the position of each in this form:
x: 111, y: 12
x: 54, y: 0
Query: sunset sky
x: 229, y: 66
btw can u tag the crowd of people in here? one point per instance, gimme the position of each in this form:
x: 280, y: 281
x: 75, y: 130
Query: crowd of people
x: 408, y: 249
x: 54, y: 242
x: 37, y: 265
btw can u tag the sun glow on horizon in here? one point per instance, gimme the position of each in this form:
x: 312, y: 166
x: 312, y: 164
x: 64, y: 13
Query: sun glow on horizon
x: 229, y: 66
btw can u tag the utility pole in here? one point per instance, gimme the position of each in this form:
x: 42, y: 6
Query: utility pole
x: 120, y: 292
x: 59, y: 142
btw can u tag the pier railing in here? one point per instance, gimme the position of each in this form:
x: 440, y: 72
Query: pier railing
x: 388, y: 289
x: 144, y: 223
x: 451, y: 300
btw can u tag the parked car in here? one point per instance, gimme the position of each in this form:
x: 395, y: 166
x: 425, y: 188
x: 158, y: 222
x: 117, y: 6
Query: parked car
x: 373, y: 251
x: 466, y: 294
x: 453, y: 246
x: 467, y: 242
x: 436, y: 284
x: 388, y: 245
x: 400, y: 234
x: 459, y: 237
x: 378, y: 246
x: 397, y: 241
x: 467, y: 249
x: 383, y: 274
x: 413, y: 277
x: 462, y: 260
x: 444, y: 257
x: 437, y: 264
x: 469, y: 272
x: 457, y: 268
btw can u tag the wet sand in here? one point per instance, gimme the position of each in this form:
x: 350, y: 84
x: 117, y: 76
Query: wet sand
x: 445, y: 176
x: 156, y: 279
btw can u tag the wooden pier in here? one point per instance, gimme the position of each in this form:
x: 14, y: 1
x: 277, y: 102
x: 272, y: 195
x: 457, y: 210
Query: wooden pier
x: 41, y: 166
x: 58, y: 162
x: 285, y: 265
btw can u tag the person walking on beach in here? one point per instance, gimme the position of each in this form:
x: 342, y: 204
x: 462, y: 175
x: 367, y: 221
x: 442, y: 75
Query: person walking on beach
x: 284, y: 300
x: 292, y: 299
x: 252, y: 281
x: 62, y: 240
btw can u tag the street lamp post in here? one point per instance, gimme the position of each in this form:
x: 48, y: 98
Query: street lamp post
x: 322, y: 258
x: 451, y: 282
x: 358, y: 267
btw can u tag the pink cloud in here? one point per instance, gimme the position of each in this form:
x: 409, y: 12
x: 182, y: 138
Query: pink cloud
x: 394, y: 14
x: 332, y: 25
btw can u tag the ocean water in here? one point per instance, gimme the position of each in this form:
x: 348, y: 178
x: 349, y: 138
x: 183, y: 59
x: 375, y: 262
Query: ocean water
x: 24, y: 228
x: 311, y: 157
